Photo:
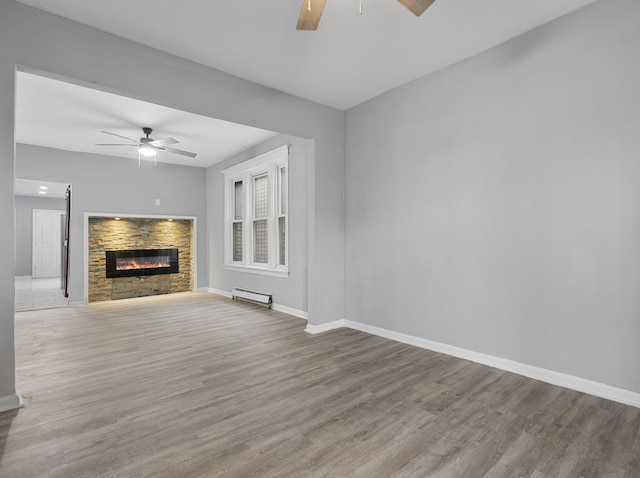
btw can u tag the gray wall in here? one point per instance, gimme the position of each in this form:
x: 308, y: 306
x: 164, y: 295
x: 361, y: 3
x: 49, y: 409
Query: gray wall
x: 107, y: 184
x: 34, y: 40
x: 495, y: 205
x: 290, y: 291
x: 24, y: 228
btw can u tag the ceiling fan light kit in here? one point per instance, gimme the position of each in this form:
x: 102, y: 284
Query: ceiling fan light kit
x: 311, y: 11
x: 145, y: 148
x: 146, y: 151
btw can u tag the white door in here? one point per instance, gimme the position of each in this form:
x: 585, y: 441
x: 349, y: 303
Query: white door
x: 46, y: 243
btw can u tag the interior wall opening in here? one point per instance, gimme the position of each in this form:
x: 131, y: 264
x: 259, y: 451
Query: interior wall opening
x: 42, y: 223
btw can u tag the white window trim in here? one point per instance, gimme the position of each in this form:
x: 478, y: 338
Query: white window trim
x: 269, y: 163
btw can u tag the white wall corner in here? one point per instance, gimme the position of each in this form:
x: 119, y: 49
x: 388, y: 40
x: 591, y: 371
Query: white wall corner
x: 11, y: 402
x: 327, y: 326
x: 560, y: 379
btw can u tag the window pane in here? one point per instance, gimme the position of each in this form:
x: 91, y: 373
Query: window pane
x: 239, y: 201
x: 260, y: 242
x: 282, y: 230
x: 261, y: 196
x: 237, y: 241
x: 283, y: 192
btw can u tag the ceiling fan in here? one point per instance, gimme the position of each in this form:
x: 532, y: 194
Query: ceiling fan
x: 148, y: 146
x: 312, y: 11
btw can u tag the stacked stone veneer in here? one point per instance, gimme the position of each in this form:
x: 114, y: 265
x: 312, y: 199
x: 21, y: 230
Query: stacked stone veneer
x: 109, y: 234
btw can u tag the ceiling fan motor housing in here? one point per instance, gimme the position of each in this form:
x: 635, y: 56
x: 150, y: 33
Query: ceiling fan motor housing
x: 146, y: 130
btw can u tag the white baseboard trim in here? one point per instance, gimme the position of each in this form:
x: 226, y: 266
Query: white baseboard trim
x: 223, y: 293
x: 301, y: 314
x: 572, y: 382
x: 77, y: 303
x: 11, y: 402
x: 280, y: 308
x: 327, y: 326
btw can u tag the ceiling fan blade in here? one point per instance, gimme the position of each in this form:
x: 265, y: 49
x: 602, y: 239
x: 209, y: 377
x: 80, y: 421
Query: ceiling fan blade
x: 417, y: 7
x: 178, y: 151
x: 120, y: 136
x: 310, y: 14
x: 163, y: 142
x: 114, y: 144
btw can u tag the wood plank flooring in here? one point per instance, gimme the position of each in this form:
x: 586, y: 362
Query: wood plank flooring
x: 196, y: 385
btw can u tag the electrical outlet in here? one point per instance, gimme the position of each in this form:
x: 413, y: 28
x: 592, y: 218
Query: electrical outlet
x: 157, y: 202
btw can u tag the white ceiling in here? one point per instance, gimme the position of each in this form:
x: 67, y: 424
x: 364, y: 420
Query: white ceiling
x: 60, y: 115
x: 43, y: 189
x: 351, y: 57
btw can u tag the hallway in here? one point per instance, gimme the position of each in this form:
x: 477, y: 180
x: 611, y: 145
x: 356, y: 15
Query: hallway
x: 39, y: 293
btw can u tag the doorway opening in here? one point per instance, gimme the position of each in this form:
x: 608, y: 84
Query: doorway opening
x: 42, y: 241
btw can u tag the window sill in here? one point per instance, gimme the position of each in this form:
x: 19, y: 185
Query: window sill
x: 257, y: 270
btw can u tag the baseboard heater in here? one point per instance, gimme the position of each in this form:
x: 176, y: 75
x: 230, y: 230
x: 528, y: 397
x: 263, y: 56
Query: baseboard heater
x: 255, y: 297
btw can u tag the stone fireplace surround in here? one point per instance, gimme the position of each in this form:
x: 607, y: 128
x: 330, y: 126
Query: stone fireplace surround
x: 108, y: 233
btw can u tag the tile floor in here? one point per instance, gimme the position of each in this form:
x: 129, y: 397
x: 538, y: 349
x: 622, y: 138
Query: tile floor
x: 39, y: 293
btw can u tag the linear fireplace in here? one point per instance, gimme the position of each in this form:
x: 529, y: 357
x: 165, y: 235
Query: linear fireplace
x: 141, y: 262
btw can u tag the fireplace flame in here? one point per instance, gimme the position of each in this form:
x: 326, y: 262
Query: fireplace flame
x: 129, y: 264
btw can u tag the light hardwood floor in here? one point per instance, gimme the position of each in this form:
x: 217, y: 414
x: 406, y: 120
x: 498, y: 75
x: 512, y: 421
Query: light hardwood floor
x: 196, y: 385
